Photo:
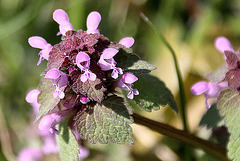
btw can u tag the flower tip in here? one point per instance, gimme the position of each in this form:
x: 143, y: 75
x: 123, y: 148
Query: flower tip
x: 93, y: 21
x: 37, y: 42
x: 46, y: 122
x: 31, y: 96
x: 127, y: 42
x: 109, y: 53
x: 60, y: 16
x: 81, y: 57
x: 84, y: 100
x: 129, y: 78
x: 52, y: 74
x: 199, y: 88
x: 222, y: 44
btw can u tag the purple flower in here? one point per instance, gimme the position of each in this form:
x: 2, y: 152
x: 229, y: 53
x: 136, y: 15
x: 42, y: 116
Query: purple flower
x: 48, y: 122
x: 62, y: 19
x: 126, y: 83
x: 59, y: 79
x: 209, y: 89
x: 31, y: 98
x: 223, y: 44
x: 84, y: 100
x: 127, y: 42
x: 49, y: 144
x: 93, y: 21
x: 40, y: 43
x: 106, y: 62
x: 83, y: 62
x: 30, y: 154
x: 83, y: 152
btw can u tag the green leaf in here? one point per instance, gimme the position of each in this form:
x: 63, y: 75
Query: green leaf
x: 153, y: 93
x: 106, y: 122
x: 132, y: 63
x: 229, y: 106
x: 217, y: 75
x: 234, y: 146
x: 45, y: 98
x: 211, y: 118
x: 67, y: 143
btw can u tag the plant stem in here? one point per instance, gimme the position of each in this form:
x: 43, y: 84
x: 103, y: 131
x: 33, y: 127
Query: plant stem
x: 182, y: 136
x: 180, y: 82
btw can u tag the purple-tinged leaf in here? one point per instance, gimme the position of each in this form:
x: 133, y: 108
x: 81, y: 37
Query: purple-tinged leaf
x: 106, y: 122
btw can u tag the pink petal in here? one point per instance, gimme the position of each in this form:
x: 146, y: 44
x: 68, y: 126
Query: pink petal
x: 65, y: 27
x: 60, y: 16
x: 45, y: 52
x: 30, y: 154
x: 127, y: 42
x: 129, y: 78
x: 109, y: 53
x: 46, y: 122
x: 37, y: 42
x: 92, y: 76
x: 199, y: 88
x: 84, y: 77
x: 53, y: 74
x: 32, y: 96
x: 104, y: 65
x: 84, y: 152
x: 222, y: 44
x: 93, y: 21
x: 82, y: 57
x: 213, y: 90
x: 135, y: 92
x: 84, y: 100
x: 49, y: 146
x: 130, y: 95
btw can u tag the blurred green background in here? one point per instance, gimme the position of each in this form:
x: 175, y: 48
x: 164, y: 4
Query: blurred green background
x: 189, y: 25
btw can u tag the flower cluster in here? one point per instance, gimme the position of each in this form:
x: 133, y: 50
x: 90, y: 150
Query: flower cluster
x: 229, y: 77
x: 82, y: 68
x: 46, y: 133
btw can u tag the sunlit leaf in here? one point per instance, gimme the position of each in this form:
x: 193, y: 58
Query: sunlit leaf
x: 106, y: 122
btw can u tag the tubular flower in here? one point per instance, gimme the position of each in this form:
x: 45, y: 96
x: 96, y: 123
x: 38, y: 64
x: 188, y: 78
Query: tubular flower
x: 93, y: 21
x: 83, y: 62
x: 49, y: 122
x: 31, y: 98
x: 127, y: 42
x: 40, y: 43
x: 106, y: 62
x: 62, y: 19
x: 126, y: 83
x: 209, y: 89
x: 59, y: 79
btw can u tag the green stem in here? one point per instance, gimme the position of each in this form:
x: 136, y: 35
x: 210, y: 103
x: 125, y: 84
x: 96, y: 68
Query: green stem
x: 182, y: 136
x: 180, y: 82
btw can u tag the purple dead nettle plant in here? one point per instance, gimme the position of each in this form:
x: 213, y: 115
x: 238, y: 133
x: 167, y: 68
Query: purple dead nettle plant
x: 229, y: 77
x: 84, y: 72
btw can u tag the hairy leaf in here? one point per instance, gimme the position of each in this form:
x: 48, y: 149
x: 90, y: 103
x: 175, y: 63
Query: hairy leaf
x: 45, y: 98
x: 153, y: 93
x: 132, y: 63
x: 67, y: 143
x: 106, y: 122
x: 229, y: 106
